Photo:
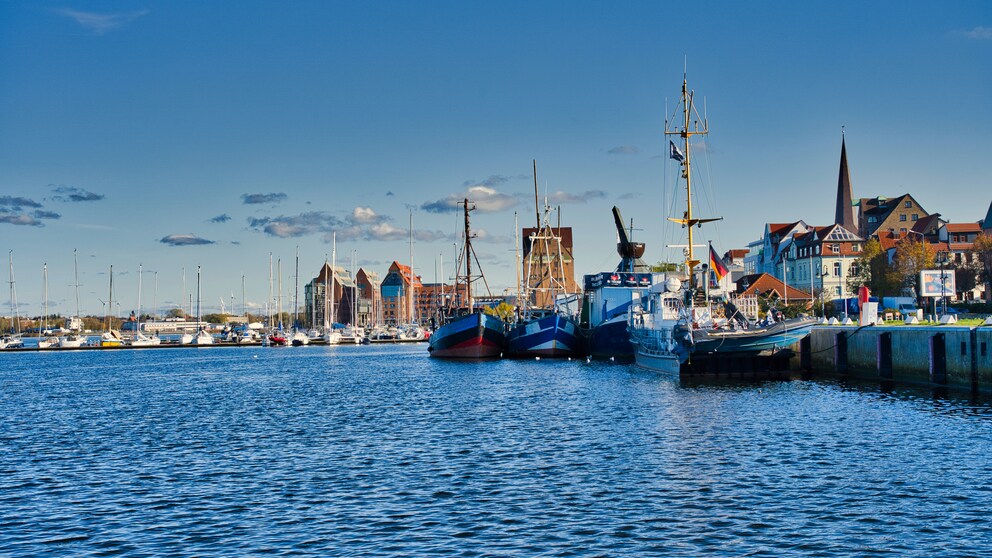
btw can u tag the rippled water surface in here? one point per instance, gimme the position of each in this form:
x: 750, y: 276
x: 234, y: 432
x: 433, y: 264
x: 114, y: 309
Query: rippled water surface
x: 380, y: 450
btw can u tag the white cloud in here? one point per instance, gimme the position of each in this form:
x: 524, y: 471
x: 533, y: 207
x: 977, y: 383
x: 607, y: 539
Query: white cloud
x: 100, y: 23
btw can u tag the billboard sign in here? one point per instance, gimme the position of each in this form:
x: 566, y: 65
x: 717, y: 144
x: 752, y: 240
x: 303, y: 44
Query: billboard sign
x: 930, y: 280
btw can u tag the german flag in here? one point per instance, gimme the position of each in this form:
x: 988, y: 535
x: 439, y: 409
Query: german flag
x: 716, y: 265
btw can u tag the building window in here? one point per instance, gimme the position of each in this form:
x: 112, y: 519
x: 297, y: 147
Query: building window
x: 837, y: 291
x: 916, y: 216
x: 908, y: 204
x: 837, y: 269
x: 835, y: 248
x: 902, y: 217
x: 856, y: 247
x: 872, y: 219
x: 902, y: 230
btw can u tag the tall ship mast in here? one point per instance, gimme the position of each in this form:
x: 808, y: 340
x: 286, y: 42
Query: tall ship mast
x: 690, y: 124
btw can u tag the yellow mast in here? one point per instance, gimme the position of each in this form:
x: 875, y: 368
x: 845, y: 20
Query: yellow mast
x: 685, y: 133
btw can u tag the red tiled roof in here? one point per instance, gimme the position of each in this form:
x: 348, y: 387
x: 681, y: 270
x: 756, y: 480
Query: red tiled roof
x: 404, y: 271
x: 780, y: 228
x: 963, y: 227
x: 888, y: 240
x: 760, y: 284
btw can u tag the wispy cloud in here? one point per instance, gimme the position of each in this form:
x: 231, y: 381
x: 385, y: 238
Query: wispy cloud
x: 624, y: 150
x: 365, y: 216
x: 482, y: 235
x: 485, y: 199
x: 74, y: 194
x: 291, y: 226
x: 100, y: 23
x: 363, y: 223
x: 17, y: 202
x: 12, y: 215
x: 19, y: 219
x: 560, y: 197
x: 184, y: 240
x: 44, y: 214
x: 257, y: 199
x: 222, y: 218
x: 979, y: 33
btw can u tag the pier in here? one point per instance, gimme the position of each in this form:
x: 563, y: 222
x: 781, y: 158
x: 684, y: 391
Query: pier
x: 942, y: 355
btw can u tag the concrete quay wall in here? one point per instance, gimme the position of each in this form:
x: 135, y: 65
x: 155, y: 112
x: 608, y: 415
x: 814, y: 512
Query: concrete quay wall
x: 936, y: 355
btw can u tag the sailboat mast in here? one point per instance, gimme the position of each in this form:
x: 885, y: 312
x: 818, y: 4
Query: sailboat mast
x: 198, y: 298
x: 468, y: 261
x: 411, y: 268
x: 45, y: 320
x: 537, y: 210
x: 16, y: 325
x: 296, y: 293
x: 244, y: 309
x: 688, y: 220
x: 516, y: 253
x: 75, y: 266
x: 138, y: 329
x: 354, y: 279
x: 279, y: 295
x: 110, y: 304
x: 334, y: 256
x: 268, y: 303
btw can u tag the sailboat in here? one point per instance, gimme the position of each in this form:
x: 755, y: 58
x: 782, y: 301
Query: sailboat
x: 52, y: 341
x: 74, y: 340
x: 299, y: 337
x: 331, y: 335
x: 473, y: 334
x: 111, y: 337
x: 139, y: 339
x: 202, y: 336
x: 13, y: 339
x: 546, y: 329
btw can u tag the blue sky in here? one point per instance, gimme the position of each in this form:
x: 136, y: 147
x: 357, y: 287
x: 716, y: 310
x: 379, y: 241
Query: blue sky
x: 215, y: 133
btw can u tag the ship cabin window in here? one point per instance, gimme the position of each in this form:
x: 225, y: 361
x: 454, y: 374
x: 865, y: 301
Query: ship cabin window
x: 837, y: 269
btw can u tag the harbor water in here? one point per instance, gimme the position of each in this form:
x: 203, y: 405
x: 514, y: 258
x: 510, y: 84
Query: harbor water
x: 381, y: 450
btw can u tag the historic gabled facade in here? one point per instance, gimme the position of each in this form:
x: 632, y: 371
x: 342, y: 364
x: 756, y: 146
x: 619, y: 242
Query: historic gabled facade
x: 896, y: 215
x: 398, y: 286
x: 315, y: 294
x: 821, y: 259
x: 765, y: 255
x: 369, y: 305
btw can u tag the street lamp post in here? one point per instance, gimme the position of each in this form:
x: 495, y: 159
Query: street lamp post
x: 943, y: 301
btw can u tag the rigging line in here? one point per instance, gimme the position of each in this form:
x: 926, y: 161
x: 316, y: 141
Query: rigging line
x: 710, y: 194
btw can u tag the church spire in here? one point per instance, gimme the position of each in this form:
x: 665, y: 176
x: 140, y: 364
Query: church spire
x: 845, y: 210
